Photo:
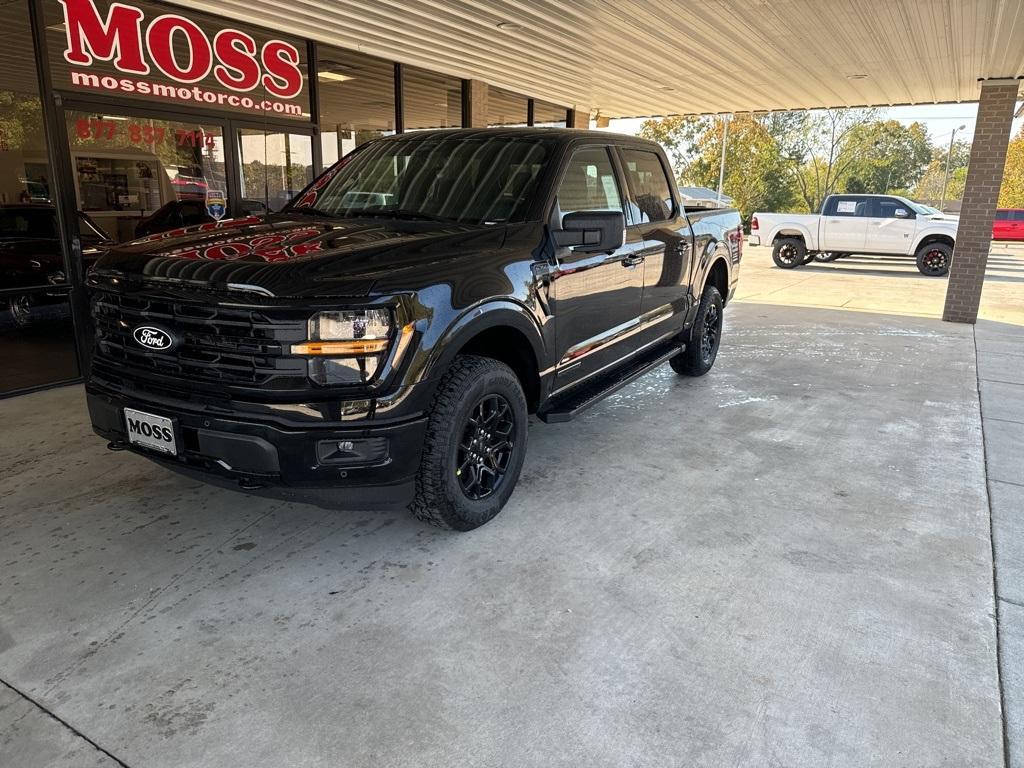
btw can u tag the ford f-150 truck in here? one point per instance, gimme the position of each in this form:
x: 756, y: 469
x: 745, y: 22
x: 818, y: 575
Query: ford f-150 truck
x: 871, y: 224
x: 382, y: 340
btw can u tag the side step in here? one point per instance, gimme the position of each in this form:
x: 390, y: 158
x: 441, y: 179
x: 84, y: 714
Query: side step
x: 571, y: 404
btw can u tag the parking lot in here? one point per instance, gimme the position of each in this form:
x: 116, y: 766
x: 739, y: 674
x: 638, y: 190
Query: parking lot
x: 787, y: 562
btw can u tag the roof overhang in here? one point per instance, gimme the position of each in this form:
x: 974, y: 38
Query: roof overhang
x: 648, y: 57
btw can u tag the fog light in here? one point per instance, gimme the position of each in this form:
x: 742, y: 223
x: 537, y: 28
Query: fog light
x: 367, y: 450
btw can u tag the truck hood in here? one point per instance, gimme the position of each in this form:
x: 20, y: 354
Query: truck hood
x: 295, y: 255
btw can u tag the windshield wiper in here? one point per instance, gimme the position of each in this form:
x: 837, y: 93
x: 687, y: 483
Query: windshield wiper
x: 395, y: 213
x: 307, y: 211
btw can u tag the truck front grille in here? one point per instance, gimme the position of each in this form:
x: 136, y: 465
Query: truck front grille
x: 228, y: 347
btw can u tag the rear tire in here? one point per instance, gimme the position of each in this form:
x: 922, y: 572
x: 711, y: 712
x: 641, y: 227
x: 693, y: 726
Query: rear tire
x: 789, y: 252
x: 934, y: 259
x: 474, y: 447
x: 705, y: 337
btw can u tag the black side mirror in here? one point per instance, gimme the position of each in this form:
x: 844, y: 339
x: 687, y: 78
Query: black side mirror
x: 592, y: 231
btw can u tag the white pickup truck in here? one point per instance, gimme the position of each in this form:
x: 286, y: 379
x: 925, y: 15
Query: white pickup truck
x: 872, y: 224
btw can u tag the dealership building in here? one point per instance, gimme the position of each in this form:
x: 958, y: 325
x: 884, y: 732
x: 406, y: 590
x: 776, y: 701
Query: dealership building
x: 122, y: 118
x: 129, y: 115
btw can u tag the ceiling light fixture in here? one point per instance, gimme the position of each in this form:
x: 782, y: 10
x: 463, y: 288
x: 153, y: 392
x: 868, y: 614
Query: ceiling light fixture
x: 509, y: 26
x: 857, y: 77
x: 336, y: 77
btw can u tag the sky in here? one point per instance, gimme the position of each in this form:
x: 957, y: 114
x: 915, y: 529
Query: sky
x: 940, y: 119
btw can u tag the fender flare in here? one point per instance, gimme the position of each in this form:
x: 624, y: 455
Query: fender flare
x: 478, y: 318
x: 803, y: 231
x: 933, y: 233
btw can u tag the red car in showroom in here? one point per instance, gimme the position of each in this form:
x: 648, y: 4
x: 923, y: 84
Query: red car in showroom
x: 1008, y: 224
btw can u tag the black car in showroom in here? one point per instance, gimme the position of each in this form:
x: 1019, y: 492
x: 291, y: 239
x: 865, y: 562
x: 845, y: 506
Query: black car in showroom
x: 30, y: 256
x: 383, y: 339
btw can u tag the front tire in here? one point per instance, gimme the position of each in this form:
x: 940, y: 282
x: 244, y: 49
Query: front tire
x: 474, y: 447
x: 789, y: 252
x: 934, y: 259
x: 705, y: 337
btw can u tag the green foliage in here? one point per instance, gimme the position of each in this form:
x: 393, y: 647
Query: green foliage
x: 1011, y: 194
x: 885, y: 155
x: 794, y: 160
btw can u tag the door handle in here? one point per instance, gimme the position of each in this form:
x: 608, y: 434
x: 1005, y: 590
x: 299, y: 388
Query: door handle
x: 632, y: 261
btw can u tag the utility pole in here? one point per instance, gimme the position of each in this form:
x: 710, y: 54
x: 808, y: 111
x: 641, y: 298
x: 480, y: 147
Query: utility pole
x: 721, y: 167
x: 945, y: 179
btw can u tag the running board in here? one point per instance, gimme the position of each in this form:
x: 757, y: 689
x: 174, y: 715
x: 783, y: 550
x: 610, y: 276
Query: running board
x: 570, y: 405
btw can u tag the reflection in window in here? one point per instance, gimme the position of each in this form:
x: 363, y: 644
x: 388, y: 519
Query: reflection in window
x: 127, y: 168
x: 505, y: 108
x: 357, y: 100
x: 275, y: 167
x: 650, y: 186
x: 431, y: 100
x: 36, y: 339
x: 589, y: 183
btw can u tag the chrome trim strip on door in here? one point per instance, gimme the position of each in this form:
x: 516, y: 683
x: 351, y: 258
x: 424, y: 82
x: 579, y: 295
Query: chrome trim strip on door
x: 578, y: 352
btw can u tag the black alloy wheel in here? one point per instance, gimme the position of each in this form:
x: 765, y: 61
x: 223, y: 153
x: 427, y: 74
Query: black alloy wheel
x: 790, y: 252
x: 934, y: 260
x: 711, y: 334
x: 486, y: 448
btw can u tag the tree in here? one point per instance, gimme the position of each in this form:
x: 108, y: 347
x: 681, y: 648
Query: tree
x: 820, y: 155
x: 929, y: 186
x: 756, y: 174
x: 679, y: 135
x: 1011, y: 194
x: 885, y: 155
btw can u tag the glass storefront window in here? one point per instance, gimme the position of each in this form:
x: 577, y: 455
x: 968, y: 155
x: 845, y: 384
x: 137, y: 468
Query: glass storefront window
x: 431, y: 100
x: 134, y: 175
x: 357, y: 100
x: 505, y: 108
x: 548, y: 115
x: 36, y: 334
x: 275, y: 167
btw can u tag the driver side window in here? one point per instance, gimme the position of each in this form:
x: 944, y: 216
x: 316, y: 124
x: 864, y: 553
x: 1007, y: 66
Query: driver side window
x: 589, y: 183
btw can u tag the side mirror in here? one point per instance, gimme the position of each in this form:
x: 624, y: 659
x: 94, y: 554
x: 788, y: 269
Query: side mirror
x: 903, y: 213
x: 592, y: 231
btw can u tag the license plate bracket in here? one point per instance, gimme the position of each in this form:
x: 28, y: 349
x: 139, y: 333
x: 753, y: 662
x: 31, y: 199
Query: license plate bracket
x: 151, y: 431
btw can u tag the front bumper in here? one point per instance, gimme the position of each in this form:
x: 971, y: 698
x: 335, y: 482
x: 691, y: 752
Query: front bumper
x: 271, y: 460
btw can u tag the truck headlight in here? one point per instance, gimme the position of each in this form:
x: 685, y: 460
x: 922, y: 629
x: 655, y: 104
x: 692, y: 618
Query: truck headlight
x: 349, y: 346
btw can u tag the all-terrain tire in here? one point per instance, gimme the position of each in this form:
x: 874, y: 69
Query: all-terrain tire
x: 705, y: 337
x: 934, y: 259
x: 456, y: 420
x: 828, y: 256
x: 789, y: 252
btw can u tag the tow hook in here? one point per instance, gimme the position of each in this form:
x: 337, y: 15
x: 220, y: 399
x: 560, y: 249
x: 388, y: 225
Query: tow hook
x: 248, y: 484
x: 117, y: 445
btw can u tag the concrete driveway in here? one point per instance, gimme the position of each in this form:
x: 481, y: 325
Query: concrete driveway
x: 785, y: 563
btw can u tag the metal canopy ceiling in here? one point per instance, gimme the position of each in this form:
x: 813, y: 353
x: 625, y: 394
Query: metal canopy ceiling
x: 644, y: 57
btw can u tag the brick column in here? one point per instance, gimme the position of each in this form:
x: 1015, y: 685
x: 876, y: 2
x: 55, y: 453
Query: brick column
x: 984, y: 176
x: 474, y: 104
x: 577, y: 118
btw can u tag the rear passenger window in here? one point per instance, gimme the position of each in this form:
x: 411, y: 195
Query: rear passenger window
x: 849, y: 206
x: 650, y: 191
x: 589, y: 183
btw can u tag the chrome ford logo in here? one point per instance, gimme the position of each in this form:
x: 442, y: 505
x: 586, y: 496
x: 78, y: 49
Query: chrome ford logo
x: 151, y: 337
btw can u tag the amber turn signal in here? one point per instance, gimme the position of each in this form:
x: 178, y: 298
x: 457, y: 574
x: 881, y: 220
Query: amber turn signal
x: 353, y: 347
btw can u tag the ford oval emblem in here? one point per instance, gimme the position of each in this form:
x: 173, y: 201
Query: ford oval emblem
x: 152, y: 338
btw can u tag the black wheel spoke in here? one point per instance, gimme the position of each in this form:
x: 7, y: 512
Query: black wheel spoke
x: 485, y: 448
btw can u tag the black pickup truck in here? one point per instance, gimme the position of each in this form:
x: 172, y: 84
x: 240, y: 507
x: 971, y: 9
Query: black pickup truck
x: 382, y: 340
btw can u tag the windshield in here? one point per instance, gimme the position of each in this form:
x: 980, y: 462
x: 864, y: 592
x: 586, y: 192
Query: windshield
x: 918, y: 207
x: 447, y: 178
